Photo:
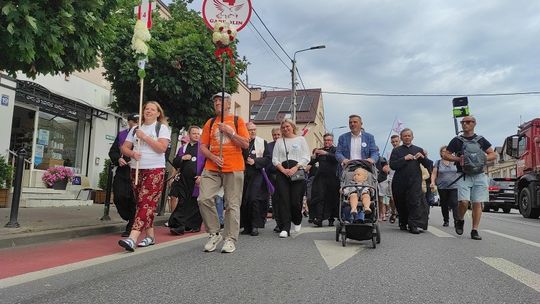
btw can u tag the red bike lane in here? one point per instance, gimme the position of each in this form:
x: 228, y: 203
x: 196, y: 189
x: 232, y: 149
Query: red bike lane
x: 25, y: 259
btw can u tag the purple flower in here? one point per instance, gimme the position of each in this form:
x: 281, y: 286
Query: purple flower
x: 54, y: 174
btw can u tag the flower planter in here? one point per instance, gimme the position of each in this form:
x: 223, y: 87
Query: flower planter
x: 99, y: 196
x: 60, y: 184
x: 4, y: 196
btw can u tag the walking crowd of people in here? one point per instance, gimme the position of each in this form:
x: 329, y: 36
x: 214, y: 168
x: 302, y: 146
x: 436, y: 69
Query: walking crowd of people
x: 228, y: 178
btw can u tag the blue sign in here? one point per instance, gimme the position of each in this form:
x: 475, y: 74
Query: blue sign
x: 76, y: 180
x: 5, y: 100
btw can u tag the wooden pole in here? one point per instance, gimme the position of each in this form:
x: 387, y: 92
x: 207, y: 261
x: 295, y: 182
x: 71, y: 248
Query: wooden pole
x: 140, y: 124
x: 222, y: 110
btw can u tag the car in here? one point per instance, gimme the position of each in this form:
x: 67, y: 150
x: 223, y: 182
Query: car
x: 501, y: 195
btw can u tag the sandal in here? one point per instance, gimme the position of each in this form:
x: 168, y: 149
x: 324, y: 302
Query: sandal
x: 128, y: 244
x: 392, y: 219
x: 147, y: 241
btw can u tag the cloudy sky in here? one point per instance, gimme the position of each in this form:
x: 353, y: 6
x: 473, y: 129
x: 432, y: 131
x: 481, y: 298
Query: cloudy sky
x: 435, y: 47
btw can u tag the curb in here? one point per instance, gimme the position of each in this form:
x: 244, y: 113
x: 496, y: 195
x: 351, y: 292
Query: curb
x: 64, y: 234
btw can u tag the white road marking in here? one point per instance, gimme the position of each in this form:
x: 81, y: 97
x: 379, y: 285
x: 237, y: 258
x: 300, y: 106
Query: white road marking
x: 514, y: 271
x: 439, y: 233
x: 501, y: 218
x: 45, y: 273
x: 334, y: 254
x: 311, y: 230
x: 524, y: 241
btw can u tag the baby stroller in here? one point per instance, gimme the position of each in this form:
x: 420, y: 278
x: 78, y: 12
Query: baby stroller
x: 367, y: 229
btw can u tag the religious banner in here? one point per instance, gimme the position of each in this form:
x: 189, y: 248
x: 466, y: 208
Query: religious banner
x: 141, y: 35
x: 234, y: 12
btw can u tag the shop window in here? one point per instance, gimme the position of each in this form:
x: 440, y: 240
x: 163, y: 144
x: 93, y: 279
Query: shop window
x: 56, y: 143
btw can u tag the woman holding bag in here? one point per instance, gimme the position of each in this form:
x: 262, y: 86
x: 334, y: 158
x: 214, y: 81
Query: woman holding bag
x: 291, y: 155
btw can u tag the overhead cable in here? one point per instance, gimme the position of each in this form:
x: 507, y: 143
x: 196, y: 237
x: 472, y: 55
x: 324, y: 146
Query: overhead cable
x: 258, y: 17
x: 411, y: 95
x: 250, y: 23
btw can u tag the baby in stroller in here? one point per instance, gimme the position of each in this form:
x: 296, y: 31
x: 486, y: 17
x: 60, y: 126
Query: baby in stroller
x: 356, y: 192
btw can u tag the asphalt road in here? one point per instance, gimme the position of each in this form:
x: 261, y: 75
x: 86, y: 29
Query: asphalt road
x: 434, y: 267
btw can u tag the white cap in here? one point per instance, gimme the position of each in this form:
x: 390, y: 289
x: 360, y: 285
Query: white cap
x: 227, y: 95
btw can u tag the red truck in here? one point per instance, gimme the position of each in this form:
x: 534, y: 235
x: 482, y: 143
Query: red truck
x: 525, y: 146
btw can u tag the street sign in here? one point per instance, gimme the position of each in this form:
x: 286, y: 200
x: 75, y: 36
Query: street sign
x: 5, y: 100
x: 235, y: 12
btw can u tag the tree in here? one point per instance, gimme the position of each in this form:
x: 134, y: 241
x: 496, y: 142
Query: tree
x: 51, y: 37
x: 182, y: 72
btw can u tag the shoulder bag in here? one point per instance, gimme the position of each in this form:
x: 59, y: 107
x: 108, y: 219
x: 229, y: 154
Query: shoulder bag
x: 300, y: 174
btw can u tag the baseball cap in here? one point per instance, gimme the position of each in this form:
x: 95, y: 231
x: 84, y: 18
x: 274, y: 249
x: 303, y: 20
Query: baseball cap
x: 227, y: 95
x: 133, y: 117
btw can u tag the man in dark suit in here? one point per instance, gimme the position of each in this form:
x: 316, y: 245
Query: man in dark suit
x: 356, y: 144
x: 272, y: 172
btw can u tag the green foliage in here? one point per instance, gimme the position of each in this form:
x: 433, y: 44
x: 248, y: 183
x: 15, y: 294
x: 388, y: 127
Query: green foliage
x: 6, y: 173
x: 182, y: 72
x: 48, y: 37
x: 102, y: 183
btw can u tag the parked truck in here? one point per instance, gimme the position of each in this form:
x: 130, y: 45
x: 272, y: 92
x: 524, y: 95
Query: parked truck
x: 525, y: 146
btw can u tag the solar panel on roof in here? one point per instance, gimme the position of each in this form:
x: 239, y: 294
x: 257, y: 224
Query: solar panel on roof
x: 305, y: 104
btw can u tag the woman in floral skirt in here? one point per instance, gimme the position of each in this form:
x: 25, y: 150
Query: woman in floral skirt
x: 147, y: 145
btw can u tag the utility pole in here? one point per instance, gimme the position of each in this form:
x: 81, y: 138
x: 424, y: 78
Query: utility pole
x: 293, y: 76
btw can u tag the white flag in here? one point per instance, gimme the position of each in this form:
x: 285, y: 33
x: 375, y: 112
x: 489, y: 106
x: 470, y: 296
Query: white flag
x: 397, y: 127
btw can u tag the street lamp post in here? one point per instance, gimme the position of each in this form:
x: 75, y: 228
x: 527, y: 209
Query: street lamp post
x: 293, y: 74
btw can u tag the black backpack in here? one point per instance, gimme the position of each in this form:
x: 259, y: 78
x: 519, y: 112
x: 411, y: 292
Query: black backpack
x: 474, y: 158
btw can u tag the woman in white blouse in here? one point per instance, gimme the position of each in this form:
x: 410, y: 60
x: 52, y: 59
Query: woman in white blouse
x: 147, y: 145
x: 291, y: 153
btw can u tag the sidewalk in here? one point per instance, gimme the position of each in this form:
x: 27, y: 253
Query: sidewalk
x: 38, y: 225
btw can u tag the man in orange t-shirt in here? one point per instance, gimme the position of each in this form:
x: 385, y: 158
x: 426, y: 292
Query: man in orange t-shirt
x: 226, y: 171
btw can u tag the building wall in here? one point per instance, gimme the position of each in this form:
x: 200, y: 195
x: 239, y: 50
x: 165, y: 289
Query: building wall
x: 314, y: 136
x: 74, y: 87
x: 7, y: 88
x: 88, y: 89
x: 240, y: 101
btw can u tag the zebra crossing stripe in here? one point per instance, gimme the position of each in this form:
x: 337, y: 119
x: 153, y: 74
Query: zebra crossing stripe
x: 524, y: 241
x: 439, y: 233
x: 514, y: 271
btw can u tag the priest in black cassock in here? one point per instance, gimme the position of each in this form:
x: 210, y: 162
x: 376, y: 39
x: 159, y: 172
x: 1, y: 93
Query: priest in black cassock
x: 407, y: 183
x: 325, y: 187
x: 255, y: 192
x: 189, y: 162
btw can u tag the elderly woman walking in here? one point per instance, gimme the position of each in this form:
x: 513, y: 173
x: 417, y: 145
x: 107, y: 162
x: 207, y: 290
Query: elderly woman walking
x: 291, y: 155
x: 147, y: 145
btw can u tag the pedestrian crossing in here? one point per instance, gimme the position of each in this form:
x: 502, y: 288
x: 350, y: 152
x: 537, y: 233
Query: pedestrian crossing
x: 514, y: 271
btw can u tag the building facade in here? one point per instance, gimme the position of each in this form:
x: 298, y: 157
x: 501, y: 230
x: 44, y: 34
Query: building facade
x: 269, y: 108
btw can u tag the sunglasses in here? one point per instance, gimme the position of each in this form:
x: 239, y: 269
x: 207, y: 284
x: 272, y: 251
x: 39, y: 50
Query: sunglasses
x: 467, y: 121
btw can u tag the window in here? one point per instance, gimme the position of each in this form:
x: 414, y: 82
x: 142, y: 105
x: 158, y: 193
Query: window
x: 57, y: 142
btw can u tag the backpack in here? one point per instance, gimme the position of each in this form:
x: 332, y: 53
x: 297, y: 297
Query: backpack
x: 381, y: 175
x: 474, y: 158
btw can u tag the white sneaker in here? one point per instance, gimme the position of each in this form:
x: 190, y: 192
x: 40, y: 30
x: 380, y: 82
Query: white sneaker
x: 296, y: 228
x: 228, y: 246
x: 213, y: 241
x: 283, y: 234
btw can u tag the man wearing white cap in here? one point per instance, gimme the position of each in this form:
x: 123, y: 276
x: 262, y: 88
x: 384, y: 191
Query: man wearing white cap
x: 221, y: 143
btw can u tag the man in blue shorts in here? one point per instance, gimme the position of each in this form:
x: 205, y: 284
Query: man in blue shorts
x: 470, y: 152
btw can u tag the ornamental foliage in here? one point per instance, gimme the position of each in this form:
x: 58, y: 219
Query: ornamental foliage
x: 51, y: 37
x: 55, y: 174
x: 182, y: 72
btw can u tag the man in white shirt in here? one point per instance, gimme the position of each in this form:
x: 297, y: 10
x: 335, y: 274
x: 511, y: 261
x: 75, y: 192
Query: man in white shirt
x: 356, y: 144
